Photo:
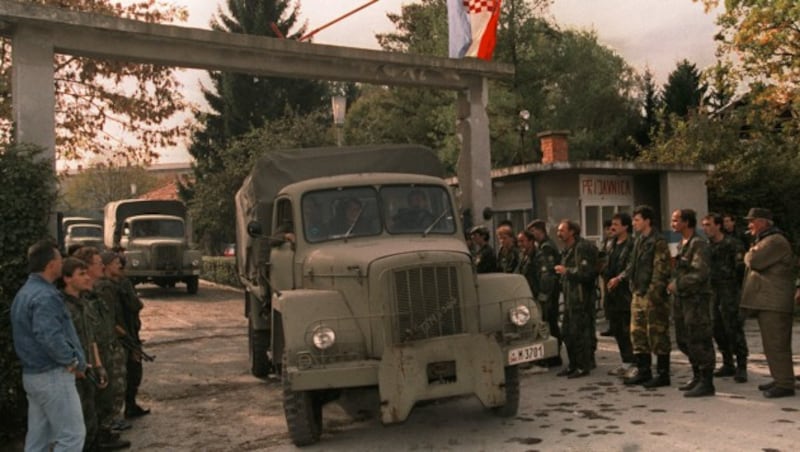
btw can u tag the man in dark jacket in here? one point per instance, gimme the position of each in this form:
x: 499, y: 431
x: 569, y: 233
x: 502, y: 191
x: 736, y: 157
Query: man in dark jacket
x: 482, y: 254
x: 767, y: 295
x: 618, y: 296
x: 578, y: 270
x: 546, y: 282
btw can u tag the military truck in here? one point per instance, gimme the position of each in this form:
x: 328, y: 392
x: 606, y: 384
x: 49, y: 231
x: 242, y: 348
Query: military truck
x: 154, y: 237
x: 357, y: 276
x: 82, y: 231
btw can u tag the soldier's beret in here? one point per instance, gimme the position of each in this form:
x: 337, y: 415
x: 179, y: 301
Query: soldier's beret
x: 758, y: 212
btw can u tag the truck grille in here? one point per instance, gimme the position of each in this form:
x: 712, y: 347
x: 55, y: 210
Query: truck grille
x: 428, y: 302
x: 167, y: 257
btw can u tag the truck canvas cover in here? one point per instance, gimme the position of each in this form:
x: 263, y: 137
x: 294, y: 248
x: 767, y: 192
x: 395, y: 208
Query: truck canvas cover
x: 277, y: 169
x: 116, y: 213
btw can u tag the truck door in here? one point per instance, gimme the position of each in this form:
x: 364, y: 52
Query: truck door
x: 282, y: 253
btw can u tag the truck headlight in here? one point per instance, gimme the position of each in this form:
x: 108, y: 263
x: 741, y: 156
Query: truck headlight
x: 196, y: 263
x: 135, y: 263
x: 520, y: 315
x: 323, y: 337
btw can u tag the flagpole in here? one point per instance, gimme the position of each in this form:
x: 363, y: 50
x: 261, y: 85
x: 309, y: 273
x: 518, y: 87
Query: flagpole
x: 338, y: 19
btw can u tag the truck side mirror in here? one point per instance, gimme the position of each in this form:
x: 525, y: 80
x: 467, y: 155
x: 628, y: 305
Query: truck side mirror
x: 254, y: 229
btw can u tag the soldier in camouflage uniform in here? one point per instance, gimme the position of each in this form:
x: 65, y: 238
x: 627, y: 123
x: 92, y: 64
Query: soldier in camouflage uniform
x: 618, y: 296
x: 546, y: 282
x: 76, y: 281
x: 508, y: 255
x: 104, y: 299
x: 691, y: 288
x: 578, y: 270
x: 482, y: 254
x: 527, y: 266
x: 727, y: 267
x: 648, y: 273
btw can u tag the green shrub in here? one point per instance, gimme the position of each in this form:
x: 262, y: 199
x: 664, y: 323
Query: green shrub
x: 27, y: 199
x: 220, y: 270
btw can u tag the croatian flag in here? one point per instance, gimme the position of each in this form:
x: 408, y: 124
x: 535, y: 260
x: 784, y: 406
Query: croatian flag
x: 473, y: 27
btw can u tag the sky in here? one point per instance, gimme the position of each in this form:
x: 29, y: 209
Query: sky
x: 653, y: 34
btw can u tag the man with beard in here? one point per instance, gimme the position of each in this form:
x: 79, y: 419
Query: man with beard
x: 618, y: 296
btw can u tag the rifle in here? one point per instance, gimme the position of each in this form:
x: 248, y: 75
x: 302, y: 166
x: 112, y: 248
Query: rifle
x: 132, y: 344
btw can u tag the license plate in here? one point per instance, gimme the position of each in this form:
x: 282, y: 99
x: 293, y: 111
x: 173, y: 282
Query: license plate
x: 525, y: 354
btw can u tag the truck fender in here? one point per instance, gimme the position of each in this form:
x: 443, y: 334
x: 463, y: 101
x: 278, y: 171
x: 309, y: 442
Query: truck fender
x: 500, y: 292
x: 302, y: 311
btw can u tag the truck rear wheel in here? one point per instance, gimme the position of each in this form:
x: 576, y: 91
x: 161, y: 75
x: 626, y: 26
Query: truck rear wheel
x: 192, y: 284
x: 258, y: 344
x: 303, y: 411
x: 512, y: 393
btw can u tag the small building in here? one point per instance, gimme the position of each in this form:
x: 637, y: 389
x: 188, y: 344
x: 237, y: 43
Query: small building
x: 592, y: 191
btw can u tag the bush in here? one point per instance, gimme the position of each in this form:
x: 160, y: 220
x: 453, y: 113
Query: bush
x: 27, y: 199
x: 221, y: 270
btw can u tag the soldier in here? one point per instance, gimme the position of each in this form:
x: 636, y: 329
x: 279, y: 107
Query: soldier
x: 76, y: 282
x: 605, y: 252
x: 104, y: 301
x: 618, y: 296
x: 482, y: 253
x: 648, y: 274
x: 527, y: 266
x: 726, y: 266
x: 578, y: 270
x: 730, y: 228
x: 691, y: 289
x: 546, y: 281
x: 132, y: 324
x: 508, y: 255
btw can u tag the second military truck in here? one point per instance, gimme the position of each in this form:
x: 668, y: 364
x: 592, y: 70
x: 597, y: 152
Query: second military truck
x: 153, y: 235
x: 358, y: 276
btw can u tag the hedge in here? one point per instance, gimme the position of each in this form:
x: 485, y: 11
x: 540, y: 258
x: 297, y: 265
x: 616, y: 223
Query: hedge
x: 220, y: 270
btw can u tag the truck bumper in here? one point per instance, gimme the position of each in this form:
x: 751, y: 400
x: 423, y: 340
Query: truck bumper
x: 145, y: 275
x: 466, y: 364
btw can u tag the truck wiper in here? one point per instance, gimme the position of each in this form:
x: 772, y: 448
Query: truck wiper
x: 352, y: 226
x: 435, y: 222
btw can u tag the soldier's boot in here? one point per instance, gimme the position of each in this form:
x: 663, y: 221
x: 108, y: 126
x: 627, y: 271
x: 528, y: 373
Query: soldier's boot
x: 705, y: 387
x: 643, y: 363
x: 727, y: 369
x: 689, y: 385
x: 741, y: 370
x: 662, y: 377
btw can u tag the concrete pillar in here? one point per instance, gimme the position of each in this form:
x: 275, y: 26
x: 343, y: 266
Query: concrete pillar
x: 474, y: 162
x: 33, y: 92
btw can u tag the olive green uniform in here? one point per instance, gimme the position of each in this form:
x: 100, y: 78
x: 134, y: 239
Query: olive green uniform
x: 85, y: 320
x: 131, y: 305
x: 727, y: 265
x: 691, y: 276
x: 112, y: 353
x: 508, y: 260
x: 578, y: 286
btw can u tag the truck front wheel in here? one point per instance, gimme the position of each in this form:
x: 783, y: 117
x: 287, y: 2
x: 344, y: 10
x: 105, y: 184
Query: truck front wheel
x: 192, y: 284
x: 303, y: 411
x: 512, y: 393
x: 258, y: 344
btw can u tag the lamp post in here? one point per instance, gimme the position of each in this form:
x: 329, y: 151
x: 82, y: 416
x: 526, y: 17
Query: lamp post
x: 523, y: 127
x: 339, y: 106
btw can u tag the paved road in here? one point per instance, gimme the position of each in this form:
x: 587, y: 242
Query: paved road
x: 203, y: 398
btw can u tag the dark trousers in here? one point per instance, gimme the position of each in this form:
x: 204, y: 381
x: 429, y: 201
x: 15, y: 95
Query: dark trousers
x: 620, y: 325
x: 578, y: 338
x: 728, y: 321
x: 550, y: 315
x: 134, y: 381
x: 776, y: 335
x: 693, y: 331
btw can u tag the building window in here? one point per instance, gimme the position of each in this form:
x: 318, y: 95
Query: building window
x: 519, y: 218
x: 594, y: 216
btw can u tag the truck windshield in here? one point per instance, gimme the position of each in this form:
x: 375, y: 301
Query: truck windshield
x: 157, y: 228
x: 361, y: 211
x: 86, y: 231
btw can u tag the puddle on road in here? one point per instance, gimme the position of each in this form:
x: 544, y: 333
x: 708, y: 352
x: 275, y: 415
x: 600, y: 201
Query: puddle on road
x: 789, y: 409
x: 658, y: 410
x: 658, y: 433
x: 637, y: 422
x: 525, y: 419
x: 567, y: 431
x: 784, y: 421
x: 526, y: 441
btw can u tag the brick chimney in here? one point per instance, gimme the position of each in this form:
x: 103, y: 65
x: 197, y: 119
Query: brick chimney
x: 555, y: 147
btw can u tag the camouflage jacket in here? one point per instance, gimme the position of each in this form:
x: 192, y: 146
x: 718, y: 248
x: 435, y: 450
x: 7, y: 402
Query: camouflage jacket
x: 108, y: 291
x: 545, y: 259
x: 131, y: 305
x: 619, y: 257
x: 727, y: 260
x: 104, y: 319
x: 692, y: 267
x: 508, y: 260
x: 578, y: 283
x: 85, y: 321
x: 484, y: 260
x: 648, y: 271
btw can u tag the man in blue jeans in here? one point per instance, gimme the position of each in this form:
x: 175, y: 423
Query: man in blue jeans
x: 50, y: 351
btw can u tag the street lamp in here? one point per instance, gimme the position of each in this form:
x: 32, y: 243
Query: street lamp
x: 523, y: 127
x: 339, y: 106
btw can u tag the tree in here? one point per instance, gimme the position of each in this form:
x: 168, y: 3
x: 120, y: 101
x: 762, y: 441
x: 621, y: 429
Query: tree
x: 26, y: 201
x: 651, y: 109
x: 109, y: 108
x: 212, y: 208
x: 91, y: 189
x: 684, y: 89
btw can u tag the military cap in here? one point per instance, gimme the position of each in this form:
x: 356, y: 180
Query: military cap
x: 481, y: 230
x: 758, y: 212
